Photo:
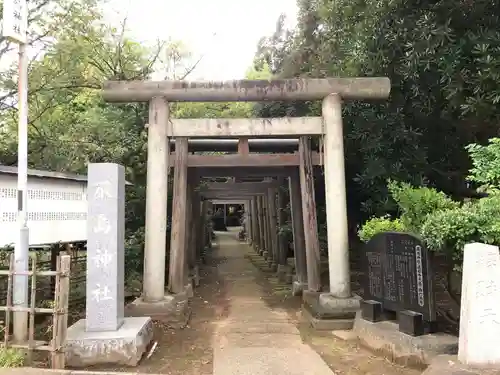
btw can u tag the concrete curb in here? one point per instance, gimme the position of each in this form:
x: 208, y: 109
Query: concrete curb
x: 38, y: 371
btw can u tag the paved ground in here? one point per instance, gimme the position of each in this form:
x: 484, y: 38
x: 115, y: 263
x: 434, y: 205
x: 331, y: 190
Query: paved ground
x: 254, y: 338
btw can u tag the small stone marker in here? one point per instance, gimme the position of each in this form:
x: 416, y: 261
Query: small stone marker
x: 105, y: 247
x: 479, y: 339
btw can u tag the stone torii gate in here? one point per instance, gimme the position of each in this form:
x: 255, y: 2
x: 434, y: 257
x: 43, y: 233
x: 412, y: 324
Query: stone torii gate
x: 337, y: 304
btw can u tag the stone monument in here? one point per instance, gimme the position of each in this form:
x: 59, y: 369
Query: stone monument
x: 479, y: 339
x: 398, y: 314
x: 398, y: 278
x: 105, y: 335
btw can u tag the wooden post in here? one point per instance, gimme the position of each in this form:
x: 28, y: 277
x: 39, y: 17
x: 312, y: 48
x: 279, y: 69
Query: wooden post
x: 260, y: 209
x: 190, y: 224
x: 265, y: 227
x: 243, y: 148
x: 61, y: 304
x: 194, y: 233
x: 203, y: 230
x: 282, y: 240
x: 299, y: 244
x: 248, y: 221
x: 309, y: 213
x: 178, y: 264
x: 273, y: 227
x: 255, y: 224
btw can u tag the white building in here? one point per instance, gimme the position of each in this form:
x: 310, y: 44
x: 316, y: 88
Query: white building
x: 57, y: 207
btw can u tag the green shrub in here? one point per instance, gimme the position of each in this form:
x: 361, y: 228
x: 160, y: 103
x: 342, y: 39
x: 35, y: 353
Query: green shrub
x: 378, y: 225
x: 448, y: 231
x: 10, y: 357
x: 416, y: 203
x: 485, y: 164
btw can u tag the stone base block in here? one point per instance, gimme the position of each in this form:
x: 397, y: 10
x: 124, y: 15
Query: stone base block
x: 124, y: 346
x: 298, y: 288
x: 196, y: 276
x: 272, y: 265
x: 173, y: 310
x: 418, y: 351
x: 449, y: 365
x: 282, y: 272
x: 324, y: 324
x: 325, y: 307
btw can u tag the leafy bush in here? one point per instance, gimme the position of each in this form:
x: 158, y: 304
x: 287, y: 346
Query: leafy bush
x: 478, y: 221
x: 378, y: 225
x: 416, y: 203
x: 485, y: 164
x: 11, y: 357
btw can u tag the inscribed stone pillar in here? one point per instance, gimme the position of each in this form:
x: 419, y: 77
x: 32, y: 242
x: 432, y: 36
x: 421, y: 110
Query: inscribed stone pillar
x: 479, y: 344
x: 105, y: 247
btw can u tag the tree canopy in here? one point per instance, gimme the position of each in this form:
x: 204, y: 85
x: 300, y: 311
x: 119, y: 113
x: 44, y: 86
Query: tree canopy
x: 442, y: 58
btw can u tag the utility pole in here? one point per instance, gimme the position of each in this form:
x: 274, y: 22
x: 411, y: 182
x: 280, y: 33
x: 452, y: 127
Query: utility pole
x: 15, y: 25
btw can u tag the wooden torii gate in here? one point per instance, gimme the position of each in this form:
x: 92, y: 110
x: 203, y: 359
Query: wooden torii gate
x: 338, y: 302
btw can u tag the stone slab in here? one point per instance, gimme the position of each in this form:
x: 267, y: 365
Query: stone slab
x: 384, y: 338
x: 39, y: 371
x: 124, y: 346
x: 450, y: 365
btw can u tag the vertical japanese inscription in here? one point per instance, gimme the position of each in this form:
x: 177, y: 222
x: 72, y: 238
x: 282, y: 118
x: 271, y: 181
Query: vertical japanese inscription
x: 401, y: 262
x: 479, y: 342
x: 105, y: 247
x: 15, y: 20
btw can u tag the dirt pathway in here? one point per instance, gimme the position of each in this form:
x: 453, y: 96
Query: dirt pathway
x: 242, y: 315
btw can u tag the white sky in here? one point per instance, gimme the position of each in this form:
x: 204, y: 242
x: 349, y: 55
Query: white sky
x: 238, y: 24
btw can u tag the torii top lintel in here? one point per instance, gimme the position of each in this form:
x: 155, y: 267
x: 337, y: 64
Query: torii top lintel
x: 363, y: 88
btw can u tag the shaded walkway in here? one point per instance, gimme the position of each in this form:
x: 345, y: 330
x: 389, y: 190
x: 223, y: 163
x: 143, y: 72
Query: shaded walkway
x: 255, y: 338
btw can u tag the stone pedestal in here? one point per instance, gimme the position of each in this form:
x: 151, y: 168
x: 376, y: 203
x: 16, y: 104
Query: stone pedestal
x: 450, y: 365
x: 272, y: 265
x: 124, y: 346
x: 327, y: 313
x: 298, y: 288
x: 385, y: 338
x: 282, y: 272
x: 173, y: 310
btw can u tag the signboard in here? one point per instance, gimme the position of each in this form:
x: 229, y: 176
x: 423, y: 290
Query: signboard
x: 15, y: 20
x: 398, y: 274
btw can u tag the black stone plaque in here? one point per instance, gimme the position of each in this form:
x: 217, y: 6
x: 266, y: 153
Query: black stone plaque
x: 398, y: 274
